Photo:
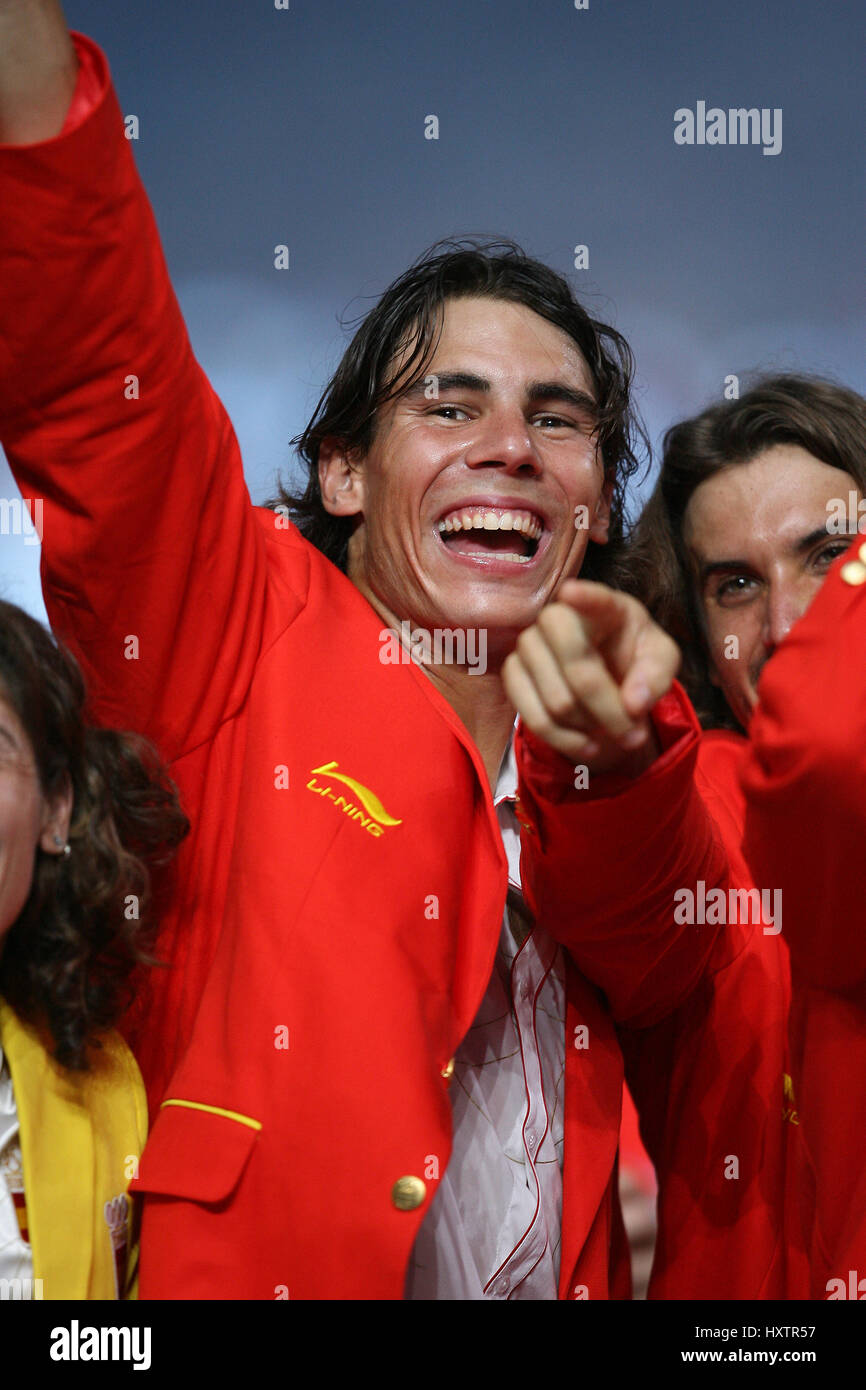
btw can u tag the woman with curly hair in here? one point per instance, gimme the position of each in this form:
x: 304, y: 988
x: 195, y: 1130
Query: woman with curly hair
x: 85, y: 813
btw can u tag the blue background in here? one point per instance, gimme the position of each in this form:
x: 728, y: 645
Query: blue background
x: 305, y: 126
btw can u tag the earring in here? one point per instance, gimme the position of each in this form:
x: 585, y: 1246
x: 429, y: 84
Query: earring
x: 67, y: 848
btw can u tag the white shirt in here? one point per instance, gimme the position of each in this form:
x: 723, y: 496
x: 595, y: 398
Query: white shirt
x: 493, y: 1228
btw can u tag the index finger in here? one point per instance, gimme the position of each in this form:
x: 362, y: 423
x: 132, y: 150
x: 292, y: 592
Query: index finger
x: 583, y: 669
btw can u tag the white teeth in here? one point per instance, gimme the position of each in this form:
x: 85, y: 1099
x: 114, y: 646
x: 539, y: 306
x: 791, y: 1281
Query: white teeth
x: 484, y: 519
x: 502, y: 555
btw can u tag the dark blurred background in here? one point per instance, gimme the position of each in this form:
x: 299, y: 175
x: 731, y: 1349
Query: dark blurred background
x: 306, y: 126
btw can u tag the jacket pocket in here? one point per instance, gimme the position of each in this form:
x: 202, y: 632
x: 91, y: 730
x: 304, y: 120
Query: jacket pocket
x: 196, y: 1151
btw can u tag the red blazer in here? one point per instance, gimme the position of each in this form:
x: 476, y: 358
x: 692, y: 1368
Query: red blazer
x: 338, y: 903
x: 702, y: 1014
x: 804, y: 779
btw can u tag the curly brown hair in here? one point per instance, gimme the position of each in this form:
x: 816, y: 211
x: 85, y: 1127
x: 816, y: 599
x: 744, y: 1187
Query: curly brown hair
x: 67, y: 961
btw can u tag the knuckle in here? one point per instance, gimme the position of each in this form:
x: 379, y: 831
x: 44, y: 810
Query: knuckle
x: 586, y: 677
x: 562, y: 706
x: 558, y: 621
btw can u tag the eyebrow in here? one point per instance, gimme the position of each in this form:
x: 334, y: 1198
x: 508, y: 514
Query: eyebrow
x: 536, y: 391
x: 799, y: 547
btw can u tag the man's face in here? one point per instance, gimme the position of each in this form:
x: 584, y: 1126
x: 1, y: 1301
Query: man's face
x: 469, y: 494
x: 757, y: 537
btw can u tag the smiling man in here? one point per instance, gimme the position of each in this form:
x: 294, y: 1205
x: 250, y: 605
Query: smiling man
x: 357, y: 1059
x: 486, y: 463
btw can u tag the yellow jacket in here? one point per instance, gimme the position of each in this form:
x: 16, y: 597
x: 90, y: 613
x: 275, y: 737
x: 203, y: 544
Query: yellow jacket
x: 81, y: 1136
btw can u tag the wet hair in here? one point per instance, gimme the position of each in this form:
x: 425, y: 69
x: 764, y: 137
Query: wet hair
x: 67, y: 962
x: 825, y: 419
x: 408, y: 320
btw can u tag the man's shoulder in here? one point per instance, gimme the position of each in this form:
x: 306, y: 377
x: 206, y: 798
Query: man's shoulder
x: 292, y: 551
x: 297, y: 568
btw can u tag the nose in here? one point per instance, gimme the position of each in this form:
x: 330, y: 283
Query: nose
x: 503, y: 439
x: 785, y: 603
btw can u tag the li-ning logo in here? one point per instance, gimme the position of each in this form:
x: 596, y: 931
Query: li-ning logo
x: 376, y: 819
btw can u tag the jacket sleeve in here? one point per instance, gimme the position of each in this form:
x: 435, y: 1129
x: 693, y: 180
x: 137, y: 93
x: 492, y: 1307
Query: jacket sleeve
x: 601, y: 866
x: 804, y: 778
x: 152, y: 563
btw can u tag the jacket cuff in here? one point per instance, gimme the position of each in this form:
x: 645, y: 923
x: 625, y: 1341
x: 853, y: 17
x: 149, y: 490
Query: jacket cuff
x: 552, y: 776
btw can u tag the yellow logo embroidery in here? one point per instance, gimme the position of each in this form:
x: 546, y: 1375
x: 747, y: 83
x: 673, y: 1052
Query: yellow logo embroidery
x: 375, y: 819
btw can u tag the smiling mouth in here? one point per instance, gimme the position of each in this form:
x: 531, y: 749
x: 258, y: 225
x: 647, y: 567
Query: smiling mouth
x: 492, y: 533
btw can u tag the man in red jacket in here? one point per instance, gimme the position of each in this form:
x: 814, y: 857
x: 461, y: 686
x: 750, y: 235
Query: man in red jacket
x: 749, y: 527
x: 336, y: 717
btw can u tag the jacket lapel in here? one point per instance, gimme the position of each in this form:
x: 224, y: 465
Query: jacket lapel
x: 57, y: 1160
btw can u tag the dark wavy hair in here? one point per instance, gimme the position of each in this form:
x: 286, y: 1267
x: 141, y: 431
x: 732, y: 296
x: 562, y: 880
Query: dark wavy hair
x: 825, y: 419
x: 408, y: 319
x: 67, y: 961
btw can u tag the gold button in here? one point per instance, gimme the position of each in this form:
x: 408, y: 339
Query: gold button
x: 408, y: 1193
x: 448, y: 1070
x: 854, y: 572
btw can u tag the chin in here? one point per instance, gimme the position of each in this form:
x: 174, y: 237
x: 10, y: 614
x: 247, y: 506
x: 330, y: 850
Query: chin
x: 495, y: 616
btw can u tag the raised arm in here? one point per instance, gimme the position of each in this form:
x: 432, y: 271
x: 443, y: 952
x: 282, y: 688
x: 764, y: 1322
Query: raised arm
x: 38, y: 70
x: 153, y: 563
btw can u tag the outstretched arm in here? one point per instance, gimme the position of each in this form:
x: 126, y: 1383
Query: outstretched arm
x: 614, y: 826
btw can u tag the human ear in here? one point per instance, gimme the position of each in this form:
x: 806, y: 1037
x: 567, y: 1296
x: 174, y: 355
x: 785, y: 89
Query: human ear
x: 600, y: 526
x: 341, y: 479
x: 56, y: 816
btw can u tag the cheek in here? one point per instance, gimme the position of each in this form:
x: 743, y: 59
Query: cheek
x: 731, y: 637
x: 19, y: 837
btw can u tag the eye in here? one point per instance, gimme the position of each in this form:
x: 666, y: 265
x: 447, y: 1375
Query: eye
x: 737, y: 587
x: 449, y: 412
x: 548, y: 421
x: 825, y: 557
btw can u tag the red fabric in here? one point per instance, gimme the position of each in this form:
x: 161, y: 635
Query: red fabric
x: 804, y: 778
x: 321, y: 976
x: 633, y: 1156
x: 91, y: 82
x: 702, y: 1009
